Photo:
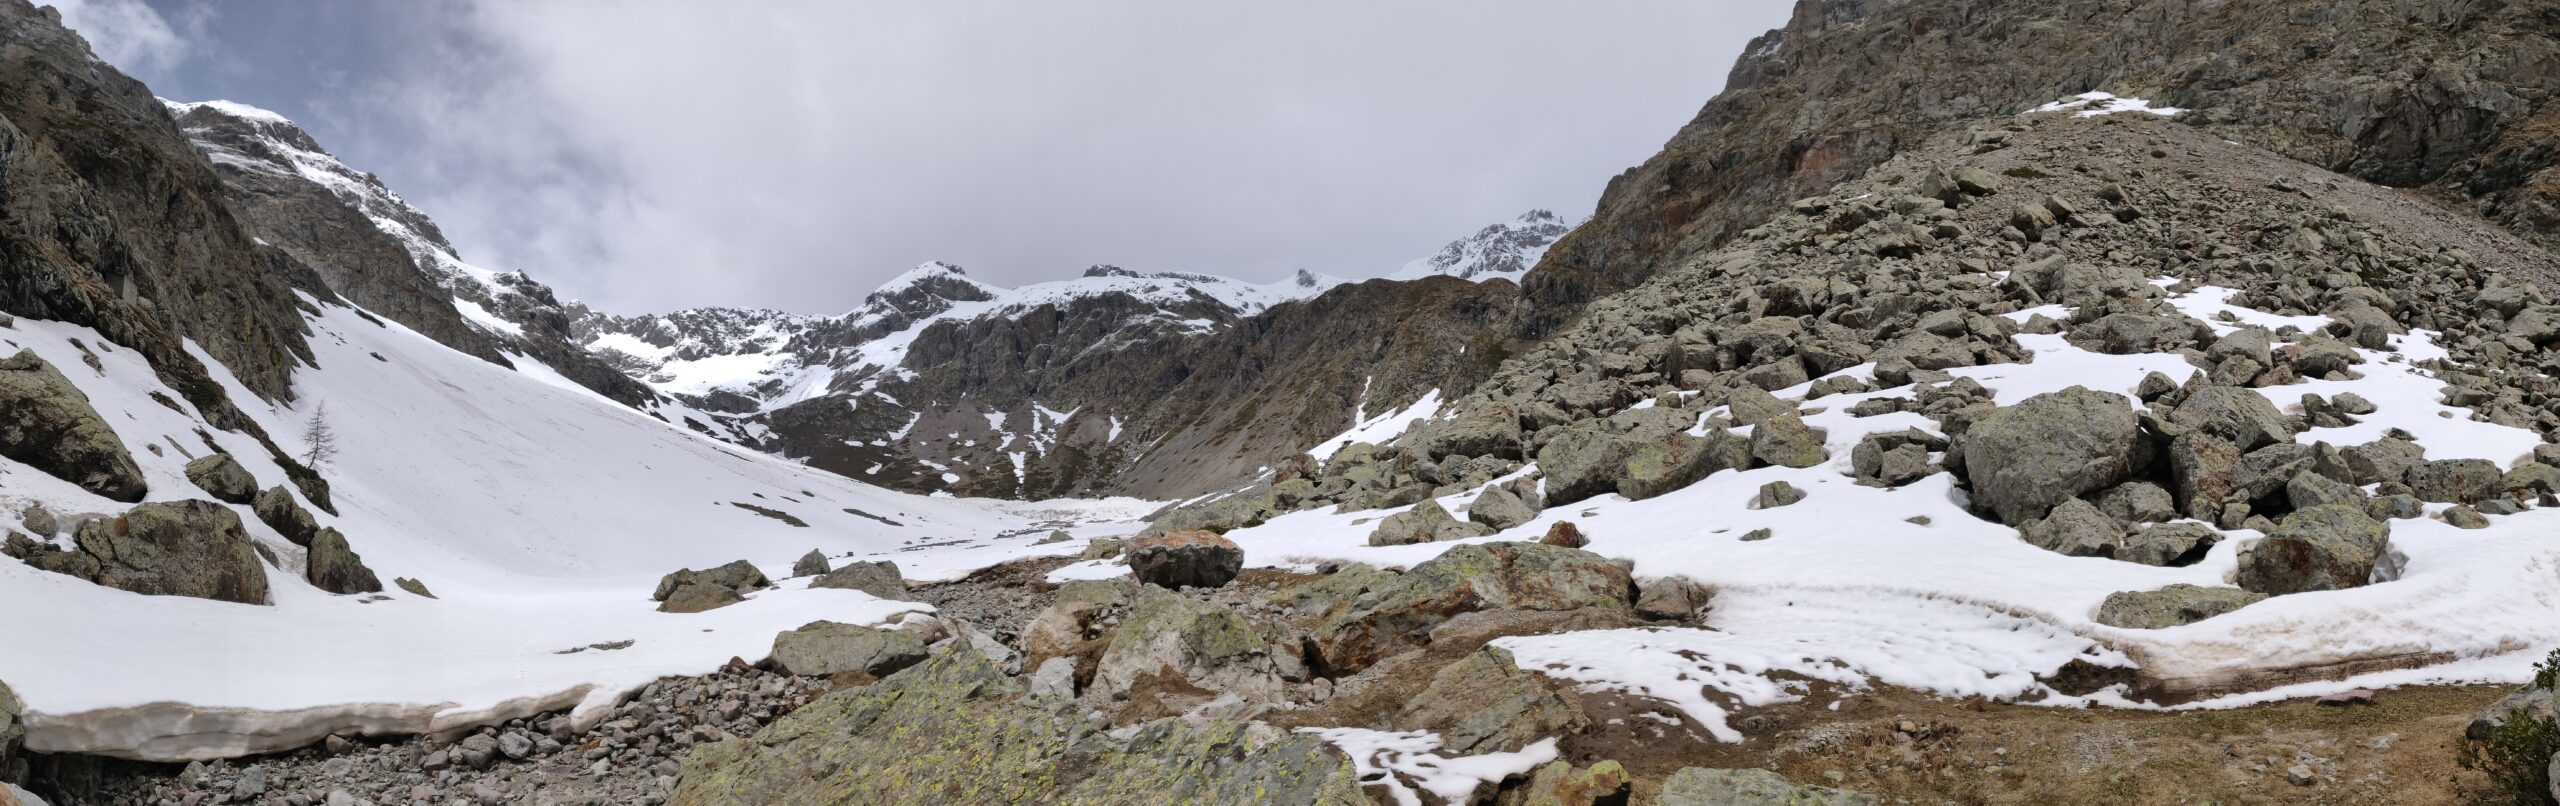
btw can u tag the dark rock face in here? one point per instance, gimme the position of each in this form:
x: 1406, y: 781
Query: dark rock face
x: 48, y: 424
x: 335, y: 567
x: 1187, y: 558
x: 176, y: 548
x: 2361, y: 87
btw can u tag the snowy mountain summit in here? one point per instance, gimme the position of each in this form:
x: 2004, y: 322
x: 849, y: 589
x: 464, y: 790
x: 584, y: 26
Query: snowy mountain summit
x: 1509, y: 250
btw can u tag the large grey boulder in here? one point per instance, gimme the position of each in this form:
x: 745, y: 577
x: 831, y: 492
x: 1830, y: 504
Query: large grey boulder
x: 1486, y: 703
x: 2456, y: 481
x: 2241, y: 416
x: 1499, y: 508
x: 277, y: 509
x: 1785, y: 441
x: 1187, y: 558
x: 2023, y: 460
x: 734, y: 576
x: 222, y: 477
x: 2078, y: 529
x: 695, y: 597
x: 334, y: 566
x: 1701, y: 786
x: 1583, y: 461
x: 177, y: 548
x: 48, y: 424
x: 825, y: 648
x: 880, y: 578
x: 2201, y: 471
x: 811, y: 564
x: 1658, y: 466
x: 2329, y: 547
x: 1482, y: 431
x: 2168, y: 543
x: 1198, y: 642
x: 1465, y: 579
x: 2171, y: 606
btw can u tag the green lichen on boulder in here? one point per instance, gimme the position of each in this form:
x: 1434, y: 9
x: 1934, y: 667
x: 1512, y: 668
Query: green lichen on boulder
x: 956, y: 730
x: 335, y: 567
x: 222, y: 477
x: 48, y: 424
x: 1465, y: 579
x: 177, y: 548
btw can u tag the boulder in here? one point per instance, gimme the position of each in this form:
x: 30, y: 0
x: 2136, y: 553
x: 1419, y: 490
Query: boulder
x: 1676, y: 598
x: 2025, y: 459
x: 40, y: 521
x: 2171, y: 606
x: 12, y: 731
x: 2076, y: 528
x: 2241, y: 416
x: 2137, y: 502
x: 1188, y: 558
x: 277, y: 509
x: 2455, y: 481
x: 2201, y: 467
x: 222, y: 477
x: 2307, y: 490
x: 333, y: 566
x: 2329, y: 547
x: 46, y: 423
x: 1077, y: 614
x: 413, y: 586
x: 1468, y: 578
x: 177, y: 548
x: 1198, y: 642
x: 1700, y: 786
x: 2383, y: 460
x: 695, y: 597
x: 2168, y: 544
x: 1559, y: 783
x: 1101, y: 548
x: 971, y: 734
x: 1787, y: 442
x: 1675, y: 460
x: 880, y: 578
x: 1776, y: 494
x: 1481, y: 431
x: 1563, y: 534
x: 1485, y: 703
x: 1426, y: 522
x: 1583, y: 461
x: 1499, y: 508
x: 734, y: 576
x: 812, y: 564
x: 827, y: 648
x: 1752, y: 405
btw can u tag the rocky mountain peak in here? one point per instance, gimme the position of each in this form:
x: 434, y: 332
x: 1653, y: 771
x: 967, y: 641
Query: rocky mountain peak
x: 1506, y: 249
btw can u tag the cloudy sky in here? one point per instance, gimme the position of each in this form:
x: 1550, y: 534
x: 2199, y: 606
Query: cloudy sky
x: 657, y: 154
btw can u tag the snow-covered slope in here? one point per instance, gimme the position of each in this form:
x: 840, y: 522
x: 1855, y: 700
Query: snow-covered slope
x: 541, y: 514
x: 1506, y: 250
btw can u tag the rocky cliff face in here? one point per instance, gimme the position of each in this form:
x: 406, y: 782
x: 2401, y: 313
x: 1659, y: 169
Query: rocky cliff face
x: 374, y: 249
x: 2445, y: 95
x: 111, y: 220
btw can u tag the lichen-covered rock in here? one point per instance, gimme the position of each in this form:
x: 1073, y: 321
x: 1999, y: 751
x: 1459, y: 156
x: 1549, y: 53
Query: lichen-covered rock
x: 1499, y: 508
x: 1199, y: 642
x: 880, y: 578
x: 177, y: 548
x: 956, y: 730
x: 1426, y: 522
x: 12, y: 732
x: 1677, y: 598
x: 1187, y: 558
x: 1491, y: 431
x: 1076, y: 615
x: 1486, y: 703
x: 1562, y: 784
x: 2025, y: 459
x: 811, y: 564
x: 222, y: 477
x: 695, y: 597
x: 413, y: 586
x: 2322, y: 548
x: 1467, y: 578
x: 2383, y: 460
x: 277, y: 509
x: 2201, y: 467
x: 1786, y: 441
x: 734, y: 576
x: 826, y: 648
x: 1661, y: 465
x: 40, y: 521
x: 2241, y: 416
x: 2137, y: 502
x: 1583, y: 461
x: 2171, y: 606
x: 1564, y: 534
x: 48, y: 424
x: 2168, y: 544
x: 1776, y: 494
x: 2455, y: 481
x: 1701, y: 786
x: 333, y: 566
x: 2076, y: 528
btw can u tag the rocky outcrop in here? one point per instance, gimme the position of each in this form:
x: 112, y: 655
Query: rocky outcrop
x: 277, y: 509
x: 334, y: 566
x: 48, y: 424
x: 956, y: 729
x: 1466, y: 579
x: 174, y: 548
x: 1486, y: 703
x: 825, y: 648
x: 1187, y: 558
